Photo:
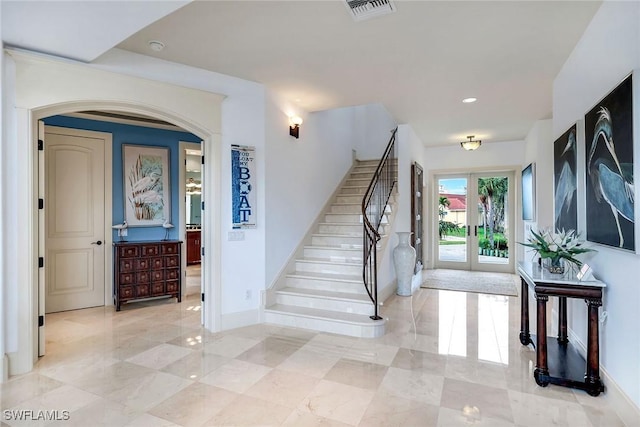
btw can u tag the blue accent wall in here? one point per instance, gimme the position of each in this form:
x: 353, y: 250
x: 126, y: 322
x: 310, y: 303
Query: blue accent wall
x: 138, y: 135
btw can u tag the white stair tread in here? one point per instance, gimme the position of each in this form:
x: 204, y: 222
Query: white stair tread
x: 323, y: 276
x: 329, y: 261
x: 336, y: 316
x: 335, y: 248
x: 317, y: 293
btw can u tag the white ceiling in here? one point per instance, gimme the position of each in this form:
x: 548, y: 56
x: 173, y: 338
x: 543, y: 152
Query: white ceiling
x: 419, y: 62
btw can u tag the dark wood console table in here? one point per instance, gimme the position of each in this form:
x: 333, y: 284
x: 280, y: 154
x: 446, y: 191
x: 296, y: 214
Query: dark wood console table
x: 557, y: 361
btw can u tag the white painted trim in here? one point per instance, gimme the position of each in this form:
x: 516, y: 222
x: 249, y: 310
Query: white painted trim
x: 27, y: 121
x: 182, y: 211
x: 240, y: 319
x: 625, y: 408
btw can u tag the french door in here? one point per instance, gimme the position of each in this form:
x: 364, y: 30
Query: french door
x: 475, y: 221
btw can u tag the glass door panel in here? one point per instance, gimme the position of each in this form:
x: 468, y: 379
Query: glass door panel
x: 452, y: 222
x: 492, y: 231
x: 475, y: 221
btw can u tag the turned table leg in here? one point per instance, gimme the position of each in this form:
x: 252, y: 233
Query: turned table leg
x: 525, y: 336
x: 562, y: 320
x: 542, y: 369
x: 592, y: 376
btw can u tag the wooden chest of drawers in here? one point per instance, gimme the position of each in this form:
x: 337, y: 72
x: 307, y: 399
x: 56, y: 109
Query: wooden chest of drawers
x: 146, y: 269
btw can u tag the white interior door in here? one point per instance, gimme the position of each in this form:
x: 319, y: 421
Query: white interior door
x: 75, y: 218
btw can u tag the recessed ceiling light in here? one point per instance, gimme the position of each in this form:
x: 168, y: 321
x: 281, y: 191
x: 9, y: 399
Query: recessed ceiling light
x: 469, y: 100
x: 156, y: 45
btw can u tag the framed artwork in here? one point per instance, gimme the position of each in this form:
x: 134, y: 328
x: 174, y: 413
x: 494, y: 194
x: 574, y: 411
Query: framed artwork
x: 565, y: 181
x: 610, y: 208
x: 529, y: 192
x: 147, y: 199
x: 243, y: 187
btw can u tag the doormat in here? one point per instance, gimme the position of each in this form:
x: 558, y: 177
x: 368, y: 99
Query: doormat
x: 471, y: 281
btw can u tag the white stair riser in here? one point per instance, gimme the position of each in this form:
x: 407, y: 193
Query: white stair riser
x: 353, y: 208
x: 319, y: 267
x: 345, y: 191
x: 346, y: 242
x: 343, y: 217
x: 358, y: 182
x: 325, y: 325
x: 343, y: 306
x: 325, y: 285
x: 350, y: 229
x: 338, y: 255
x: 349, y: 198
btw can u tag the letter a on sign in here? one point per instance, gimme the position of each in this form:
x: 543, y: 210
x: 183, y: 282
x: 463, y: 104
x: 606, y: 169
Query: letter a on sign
x: 243, y: 186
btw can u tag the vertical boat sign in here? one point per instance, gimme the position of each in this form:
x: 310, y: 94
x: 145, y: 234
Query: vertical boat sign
x: 243, y: 188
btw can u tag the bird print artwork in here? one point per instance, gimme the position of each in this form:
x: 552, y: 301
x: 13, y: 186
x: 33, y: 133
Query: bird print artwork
x: 565, y: 159
x: 609, y: 169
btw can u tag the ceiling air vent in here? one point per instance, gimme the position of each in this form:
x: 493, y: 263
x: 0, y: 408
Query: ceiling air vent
x: 366, y: 9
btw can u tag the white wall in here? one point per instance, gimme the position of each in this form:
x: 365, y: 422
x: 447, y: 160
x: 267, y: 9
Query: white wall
x: 302, y: 173
x: 494, y: 156
x: 409, y: 149
x: 607, y: 52
x: 373, y: 127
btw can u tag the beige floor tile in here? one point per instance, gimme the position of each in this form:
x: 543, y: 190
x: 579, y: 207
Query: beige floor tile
x: 367, y: 350
x: 469, y: 416
x: 237, y: 376
x: 283, y: 387
x: 304, y: 419
x: 388, y: 410
x: 249, y: 411
x: 185, y: 375
x: 159, y: 356
x: 308, y: 362
x: 356, y: 373
x: 271, y: 351
x: 489, y: 402
x: 26, y: 387
x: 193, y: 405
x: 229, y: 345
x: 195, y: 365
x: 338, y: 402
x: 146, y: 420
x: 419, y: 360
x: 532, y: 410
x: 420, y: 386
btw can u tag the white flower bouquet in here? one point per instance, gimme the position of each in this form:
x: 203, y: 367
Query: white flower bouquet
x: 557, y: 245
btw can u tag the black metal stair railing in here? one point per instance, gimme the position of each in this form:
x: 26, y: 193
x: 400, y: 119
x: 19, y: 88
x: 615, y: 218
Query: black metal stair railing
x: 374, y: 206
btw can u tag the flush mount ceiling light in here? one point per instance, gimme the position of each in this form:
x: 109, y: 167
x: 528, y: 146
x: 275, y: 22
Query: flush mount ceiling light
x: 469, y: 100
x: 471, y: 144
x: 156, y: 45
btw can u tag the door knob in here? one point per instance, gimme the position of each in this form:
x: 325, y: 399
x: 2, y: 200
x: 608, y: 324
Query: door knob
x: 99, y: 242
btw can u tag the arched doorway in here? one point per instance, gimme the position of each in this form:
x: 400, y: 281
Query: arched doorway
x: 32, y: 297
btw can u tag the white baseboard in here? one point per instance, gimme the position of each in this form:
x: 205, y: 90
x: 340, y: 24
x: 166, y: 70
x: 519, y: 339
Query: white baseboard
x: 239, y: 319
x: 627, y: 410
x: 4, y: 374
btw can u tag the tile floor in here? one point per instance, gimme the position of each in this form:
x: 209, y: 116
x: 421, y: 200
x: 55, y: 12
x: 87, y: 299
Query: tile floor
x: 447, y: 359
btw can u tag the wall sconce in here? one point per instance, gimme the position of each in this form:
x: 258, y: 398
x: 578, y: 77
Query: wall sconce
x: 471, y: 144
x: 294, y: 126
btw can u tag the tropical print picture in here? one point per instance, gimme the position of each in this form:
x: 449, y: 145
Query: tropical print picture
x: 609, y: 169
x: 146, y: 185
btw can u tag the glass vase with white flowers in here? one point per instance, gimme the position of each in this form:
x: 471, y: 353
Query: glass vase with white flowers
x: 556, y: 247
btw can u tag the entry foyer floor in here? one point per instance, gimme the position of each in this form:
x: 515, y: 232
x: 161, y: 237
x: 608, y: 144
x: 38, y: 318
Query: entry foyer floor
x: 459, y: 363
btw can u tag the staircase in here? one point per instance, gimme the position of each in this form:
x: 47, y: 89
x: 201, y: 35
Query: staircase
x: 326, y: 292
